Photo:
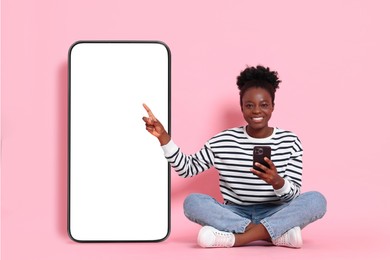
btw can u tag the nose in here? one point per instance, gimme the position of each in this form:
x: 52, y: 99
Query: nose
x: 256, y: 110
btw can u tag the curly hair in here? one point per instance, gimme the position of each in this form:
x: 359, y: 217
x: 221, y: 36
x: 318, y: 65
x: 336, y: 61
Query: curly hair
x: 260, y: 77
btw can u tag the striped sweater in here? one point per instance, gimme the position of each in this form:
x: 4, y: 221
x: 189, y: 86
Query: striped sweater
x: 231, y: 153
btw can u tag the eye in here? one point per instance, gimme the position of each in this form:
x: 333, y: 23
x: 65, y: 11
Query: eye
x: 264, y: 105
x: 249, y: 106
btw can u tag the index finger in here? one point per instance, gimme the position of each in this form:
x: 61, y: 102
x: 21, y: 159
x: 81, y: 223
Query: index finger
x: 149, y: 111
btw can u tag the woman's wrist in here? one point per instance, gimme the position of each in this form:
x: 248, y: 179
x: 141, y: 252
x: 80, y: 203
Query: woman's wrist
x: 278, y: 184
x: 164, y: 138
x: 284, y: 189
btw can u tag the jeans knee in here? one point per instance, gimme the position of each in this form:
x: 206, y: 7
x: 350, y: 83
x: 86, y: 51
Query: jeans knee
x: 319, y: 202
x: 192, y: 203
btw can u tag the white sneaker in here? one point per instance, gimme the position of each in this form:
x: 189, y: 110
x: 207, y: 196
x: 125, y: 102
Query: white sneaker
x: 292, y: 238
x: 211, y: 237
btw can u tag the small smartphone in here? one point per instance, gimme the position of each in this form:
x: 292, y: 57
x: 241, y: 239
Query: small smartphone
x: 259, y: 152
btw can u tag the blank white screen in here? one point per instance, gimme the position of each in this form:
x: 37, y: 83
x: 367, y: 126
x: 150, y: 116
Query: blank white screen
x: 118, y: 176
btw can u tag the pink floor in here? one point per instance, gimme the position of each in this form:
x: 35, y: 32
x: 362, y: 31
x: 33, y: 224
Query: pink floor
x: 330, y: 238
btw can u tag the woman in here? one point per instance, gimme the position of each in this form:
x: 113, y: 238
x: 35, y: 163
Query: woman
x: 263, y: 204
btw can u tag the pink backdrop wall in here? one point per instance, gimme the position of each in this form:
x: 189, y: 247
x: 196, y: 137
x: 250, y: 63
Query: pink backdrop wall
x: 333, y: 58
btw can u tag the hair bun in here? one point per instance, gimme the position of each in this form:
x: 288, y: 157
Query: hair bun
x: 258, y: 73
x: 258, y: 76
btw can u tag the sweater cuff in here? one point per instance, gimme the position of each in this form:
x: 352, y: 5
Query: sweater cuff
x: 285, y: 189
x: 170, y: 148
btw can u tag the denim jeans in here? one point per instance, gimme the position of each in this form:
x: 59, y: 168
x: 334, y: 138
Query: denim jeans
x: 276, y: 218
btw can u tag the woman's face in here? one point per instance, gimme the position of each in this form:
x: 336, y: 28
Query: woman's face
x: 257, y: 110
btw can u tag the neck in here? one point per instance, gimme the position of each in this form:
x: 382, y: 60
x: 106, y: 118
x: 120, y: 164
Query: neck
x: 259, y: 133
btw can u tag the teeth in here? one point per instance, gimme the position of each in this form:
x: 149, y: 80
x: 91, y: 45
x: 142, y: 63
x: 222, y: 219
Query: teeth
x: 257, y: 118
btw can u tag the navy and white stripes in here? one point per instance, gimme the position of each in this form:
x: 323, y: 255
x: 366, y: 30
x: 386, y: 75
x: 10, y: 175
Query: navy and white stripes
x: 231, y: 153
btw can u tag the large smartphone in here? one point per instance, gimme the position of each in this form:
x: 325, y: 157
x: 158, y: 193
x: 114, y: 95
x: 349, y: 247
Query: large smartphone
x: 259, y: 153
x: 110, y: 192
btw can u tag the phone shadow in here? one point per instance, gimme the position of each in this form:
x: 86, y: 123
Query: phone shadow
x: 62, y: 149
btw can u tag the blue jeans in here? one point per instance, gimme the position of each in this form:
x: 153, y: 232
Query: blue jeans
x: 276, y: 218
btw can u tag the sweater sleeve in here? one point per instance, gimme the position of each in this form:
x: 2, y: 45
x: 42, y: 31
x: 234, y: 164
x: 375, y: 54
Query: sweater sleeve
x: 292, y: 175
x: 188, y: 165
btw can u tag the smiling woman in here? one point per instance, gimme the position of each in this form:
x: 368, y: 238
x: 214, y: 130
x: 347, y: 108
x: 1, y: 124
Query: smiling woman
x: 257, y: 110
x: 259, y: 204
x: 257, y: 87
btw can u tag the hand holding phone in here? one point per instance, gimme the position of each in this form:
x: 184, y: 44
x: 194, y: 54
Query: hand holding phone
x: 259, y: 153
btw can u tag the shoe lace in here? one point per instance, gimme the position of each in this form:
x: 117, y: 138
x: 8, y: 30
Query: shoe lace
x: 222, y: 239
x: 289, y: 239
x: 283, y: 240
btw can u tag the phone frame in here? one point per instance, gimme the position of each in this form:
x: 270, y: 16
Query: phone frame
x: 260, y: 158
x: 168, y: 128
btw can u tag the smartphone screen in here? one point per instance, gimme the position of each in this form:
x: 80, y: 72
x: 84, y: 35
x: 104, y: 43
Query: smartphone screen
x: 119, y: 180
x: 259, y: 153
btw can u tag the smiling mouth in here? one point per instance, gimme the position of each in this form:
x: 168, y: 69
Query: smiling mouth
x: 258, y: 119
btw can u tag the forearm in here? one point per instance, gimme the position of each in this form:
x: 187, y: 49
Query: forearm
x: 186, y: 165
x: 292, y: 178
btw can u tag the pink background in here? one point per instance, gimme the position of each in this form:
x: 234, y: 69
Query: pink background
x: 333, y: 58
